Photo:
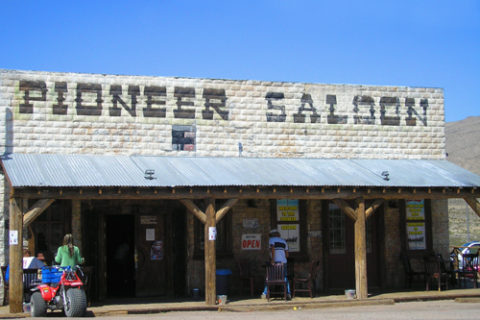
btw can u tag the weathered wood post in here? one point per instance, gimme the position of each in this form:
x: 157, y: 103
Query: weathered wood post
x: 210, y: 255
x: 77, y: 223
x: 16, y: 257
x: 361, y: 283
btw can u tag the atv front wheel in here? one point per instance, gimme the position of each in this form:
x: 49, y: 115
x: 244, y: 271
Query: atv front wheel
x: 38, y: 306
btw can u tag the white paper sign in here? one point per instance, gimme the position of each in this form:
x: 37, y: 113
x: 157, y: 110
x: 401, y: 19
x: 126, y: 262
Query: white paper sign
x: 250, y: 223
x: 150, y: 234
x: 212, y: 233
x: 13, y: 237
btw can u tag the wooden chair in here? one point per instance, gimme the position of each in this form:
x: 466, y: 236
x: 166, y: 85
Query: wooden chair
x: 410, y: 274
x: 306, y: 282
x: 275, y: 278
x: 245, y: 275
x: 435, y: 272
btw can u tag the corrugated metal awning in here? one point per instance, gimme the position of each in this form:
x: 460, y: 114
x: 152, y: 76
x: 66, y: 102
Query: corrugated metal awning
x: 57, y: 170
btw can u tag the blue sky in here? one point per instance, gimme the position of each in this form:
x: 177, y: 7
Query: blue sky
x: 431, y: 43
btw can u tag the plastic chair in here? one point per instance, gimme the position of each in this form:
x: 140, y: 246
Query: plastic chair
x: 275, y: 278
x: 306, y: 282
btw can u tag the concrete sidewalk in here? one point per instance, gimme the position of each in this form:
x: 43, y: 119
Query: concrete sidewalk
x: 145, y: 306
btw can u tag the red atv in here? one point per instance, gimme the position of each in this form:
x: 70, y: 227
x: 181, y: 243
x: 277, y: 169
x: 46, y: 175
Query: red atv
x: 61, y: 288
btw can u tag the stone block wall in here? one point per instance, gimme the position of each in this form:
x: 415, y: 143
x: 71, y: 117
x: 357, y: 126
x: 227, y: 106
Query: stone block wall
x: 67, y: 113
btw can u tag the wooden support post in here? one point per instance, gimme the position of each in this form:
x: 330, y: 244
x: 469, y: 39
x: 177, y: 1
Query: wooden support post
x: 225, y: 208
x: 375, y: 205
x: 77, y: 223
x: 474, y: 204
x: 36, y: 210
x: 16, y: 257
x: 195, y: 210
x: 361, y: 251
x: 343, y: 205
x: 210, y: 255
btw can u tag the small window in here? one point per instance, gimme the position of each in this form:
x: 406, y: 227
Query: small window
x: 336, y: 230
x: 183, y: 138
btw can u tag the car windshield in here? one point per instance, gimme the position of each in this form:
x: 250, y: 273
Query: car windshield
x: 474, y: 246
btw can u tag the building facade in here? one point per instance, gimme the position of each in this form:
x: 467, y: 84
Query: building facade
x: 158, y: 243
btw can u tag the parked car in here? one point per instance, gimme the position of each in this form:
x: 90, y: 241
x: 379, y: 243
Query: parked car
x: 467, y: 248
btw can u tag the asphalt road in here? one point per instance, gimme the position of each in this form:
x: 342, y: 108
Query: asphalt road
x: 437, y: 310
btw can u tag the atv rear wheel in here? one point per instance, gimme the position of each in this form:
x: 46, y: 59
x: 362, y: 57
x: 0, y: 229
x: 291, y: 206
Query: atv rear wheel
x: 76, y: 303
x: 38, y: 306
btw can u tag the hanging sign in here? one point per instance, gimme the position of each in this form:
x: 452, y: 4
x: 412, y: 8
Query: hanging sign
x: 287, y: 210
x: 415, y: 210
x: 250, y: 223
x: 148, y: 219
x: 252, y: 241
x: 291, y: 234
x: 416, y: 236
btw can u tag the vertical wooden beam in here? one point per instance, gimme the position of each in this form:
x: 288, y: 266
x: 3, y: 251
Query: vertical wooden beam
x: 210, y: 255
x: 16, y: 255
x: 77, y: 223
x: 361, y: 251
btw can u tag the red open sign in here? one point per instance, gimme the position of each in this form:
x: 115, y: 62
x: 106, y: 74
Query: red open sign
x: 251, y: 241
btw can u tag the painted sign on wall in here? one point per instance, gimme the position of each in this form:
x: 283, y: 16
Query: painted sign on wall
x: 252, y: 241
x: 150, y: 101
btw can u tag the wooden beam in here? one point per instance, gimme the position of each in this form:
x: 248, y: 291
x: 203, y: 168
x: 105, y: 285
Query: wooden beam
x: 36, y: 210
x: 77, y: 223
x: 244, y: 193
x: 375, y: 205
x: 361, y: 283
x: 224, y: 209
x: 474, y: 204
x: 15, y: 293
x: 192, y: 207
x: 210, y: 255
x: 345, y: 207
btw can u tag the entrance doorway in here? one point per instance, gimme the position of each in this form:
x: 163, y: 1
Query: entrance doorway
x: 340, y: 249
x: 120, y: 231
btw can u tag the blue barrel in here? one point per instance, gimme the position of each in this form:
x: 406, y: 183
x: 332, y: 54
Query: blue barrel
x: 222, y: 281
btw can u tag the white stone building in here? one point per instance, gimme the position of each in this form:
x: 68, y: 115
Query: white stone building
x: 292, y: 156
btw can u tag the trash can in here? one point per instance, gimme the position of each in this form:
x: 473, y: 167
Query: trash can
x: 222, y: 280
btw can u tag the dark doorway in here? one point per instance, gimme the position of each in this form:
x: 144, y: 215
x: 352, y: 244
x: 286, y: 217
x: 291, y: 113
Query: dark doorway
x: 340, y: 250
x: 180, y: 252
x: 120, y: 259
